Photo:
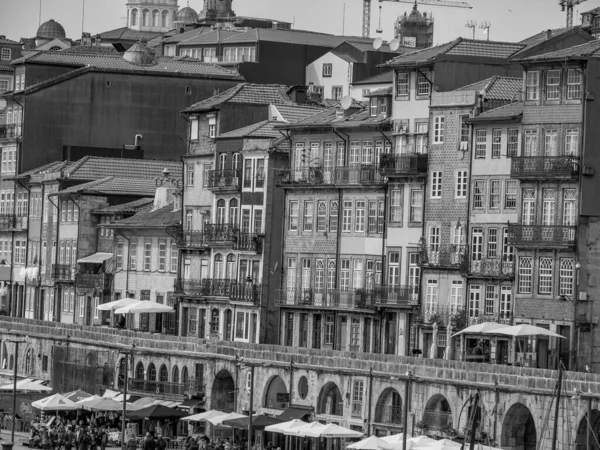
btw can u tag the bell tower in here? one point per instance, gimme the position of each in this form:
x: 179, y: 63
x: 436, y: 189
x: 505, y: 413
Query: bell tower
x: 151, y: 15
x: 214, y: 9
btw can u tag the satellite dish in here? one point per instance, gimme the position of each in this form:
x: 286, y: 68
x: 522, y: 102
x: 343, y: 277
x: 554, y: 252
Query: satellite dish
x: 346, y: 102
x: 394, y: 44
x: 377, y: 43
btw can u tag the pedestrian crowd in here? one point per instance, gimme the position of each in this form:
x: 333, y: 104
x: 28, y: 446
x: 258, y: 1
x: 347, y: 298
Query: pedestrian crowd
x: 65, y: 434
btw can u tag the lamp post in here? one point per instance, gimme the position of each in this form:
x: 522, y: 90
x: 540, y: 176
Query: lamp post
x: 14, y: 399
x: 128, y: 355
x: 405, y: 415
x: 574, y: 350
x: 250, y: 408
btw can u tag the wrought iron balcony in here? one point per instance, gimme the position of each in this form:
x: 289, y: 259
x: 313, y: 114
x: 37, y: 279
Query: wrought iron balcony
x: 390, y: 414
x: 500, y: 267
x: 442, y: 315
x: 544, y: 167
x: 224, y: 180
x: 89, y: 281
x: 189, y: 288
x: 12, y: 222
x: 408, y: 165
x: 396, y: 296
x: 239, y: 291
x: 9, y: 131
x: 504, y: 318
x: 441, y: 255
x: 366, y: 175
x: 154, y: 387
x: 545, y: 236
x: 191, y: 240
x: 63, y: 272
x: 249, y: 242
x: 336, y: 299
x: 220, y: 233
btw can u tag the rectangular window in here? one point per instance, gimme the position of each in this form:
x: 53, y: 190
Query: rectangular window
x: 438, y: 130
x: 357, y: 274
x: 337, y: 92
x: 207, y: 169
x: 528, y: 207
x: 551, y: 143
x: 333, y: 216
x: 359, y: 224
x: 294, y: 212
x: 393, y: 269
x: 133, y: 255
x: 119, y: 254
x: 194, y: 128
x: 480, y: 143
x: 162, y: 255
x: 431, y: 297
x: 492, y: 250
x: 573, y: 84
x: 532, y: 85
x: 490, y: 299
x: 548, y: 207
x: 372, y: 223
x: 416, y: 205
x: 525, y: 275
x: 147, y: 256
x: 572, y: 143
x: 395, y: 205
x: 174, y: 257
x: 456, y: 294
x: 496, y: 143
x: 212, y: 127
x: 566, y: 277
x: 321, y: 216
x: 505, y: 302
x: 345, y: 275
x: 552, y: 84
x: 474, y: 300
x: 436, y: 184
x: 510, y: 194
x: 478, y: 194
x: 494, y: 194
x: 545, y: 276
x: 189, y: 174
x: 307, y: 218
x: 258, y: 221
x: 327, y: 69
x: 512, y: 144
x: 402, y: 84
x: 329, y: 328
x: 461, y: 184
x: 423, y: 85
x: 347, y: 217
x: 6, y: 54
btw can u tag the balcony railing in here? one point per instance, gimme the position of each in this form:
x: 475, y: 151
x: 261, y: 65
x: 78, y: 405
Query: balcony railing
x: 412, y: 164
x: 544, y: 167
x: 443, y: 316
x: 501, y: 267
x: 441, y: 255
x: 390, y: 414
x: 335, y: 299
x: 191, y: 239
x: 220, y: 233
x: 9, y: 131
x: 195, y: 386
x: 396, y: 296
x: 156, y: 387
x: 13, y: 222
x: 366, y: 174
x: 239, y: 291
x: 504, y: 318
x: 437, y: 420
x: 89, y: 281
x: 224, y: 180
x: 249, y: 242
x: 548, y: 236
x: 63, y: 272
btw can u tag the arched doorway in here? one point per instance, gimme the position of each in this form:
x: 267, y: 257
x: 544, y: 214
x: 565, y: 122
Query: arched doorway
x: 185, y: 376
x: 29, y: 362
x: 163, y: 378
x: 582, y: 432
x: 275, y: 387
x: 223, y: 392
x: 389, y: 407
x: 518, y: 428
x: 437, y: 415
x: 330, y: 400
x: 151, y: 377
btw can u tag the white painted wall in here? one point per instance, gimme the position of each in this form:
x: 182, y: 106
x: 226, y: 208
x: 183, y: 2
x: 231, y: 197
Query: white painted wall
x: 340, y: 76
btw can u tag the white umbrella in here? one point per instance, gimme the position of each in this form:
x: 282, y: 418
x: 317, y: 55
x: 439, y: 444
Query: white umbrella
x: 88, y: 402
x: 482, y: 328
x: 332, y: 430
x: 27, y: 384
x: 108, y: 404
x: 370, y: 443
x: 527, y: 330
x: 218, y: 420
x: 55, y: 402
x: 285, y: 426
x: 109, y: 393
x: 444, y: 444
x: 393, y: 438
x: 145, y: 306
x: 203, y: 416
x: 304, y: 430
x: 117, y: 304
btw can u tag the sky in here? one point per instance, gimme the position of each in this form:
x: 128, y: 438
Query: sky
x: 511, y: 20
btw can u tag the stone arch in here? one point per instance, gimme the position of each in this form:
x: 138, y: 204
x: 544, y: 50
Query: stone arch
x: 155, y: 18
x: 146, y: 18
x: 389, y: 407
x: 151, y: 372
x: 175, y: 374
x: 330, y: 400
x: 139, y: 371
x: 165, y: 19
x: 185, y: 375
x: 163, y: 374
x: 134, y: 17
x: 275, y: 386
x: 581, y: 439
x: 437, y: 414
x: 518, y: 428
x: 222, y: 395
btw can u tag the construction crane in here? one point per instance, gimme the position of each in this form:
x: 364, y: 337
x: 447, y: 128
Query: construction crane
x: 449, y: 3
x: 567, y: 5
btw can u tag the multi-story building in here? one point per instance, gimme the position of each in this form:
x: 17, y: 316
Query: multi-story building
x: 9, y: 51
x: 360, y: 89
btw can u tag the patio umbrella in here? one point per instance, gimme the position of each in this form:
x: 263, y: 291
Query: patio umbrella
x: 332, y: 430
x: 88, y: 402
x: 218, y: 420
x: 259, y: 422
x: 444, y: 444
x: 370, y: 443
x: 145, y: 306
x: 156, y: 412
x: 393, y: 438
x: 55, y: 402
x: 203, y: 416
x: 109, y: 393
x: 284, y: 426
x: 527, y: 330
x: 27, y: 384
x: 144, y: 402
x: 77, y: 395
x: 304, y: 430
x: 395, y: 442
x: 117, y: 304
x: 108, y: 404
x: 482, y: 328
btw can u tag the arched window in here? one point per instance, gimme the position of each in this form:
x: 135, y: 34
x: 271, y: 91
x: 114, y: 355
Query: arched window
x: 164, y: 374
x: 230, y: 272
x: 134, y: 17
x: 151, y: 372
x: 214, y: 320
x: 175, y: 374
x: 218, y: 275
x: 165, y: 19
x: 185, y: 377
x: 145, y: 18
x: 221, y: 211
x: 228, y: 325
x: 155, y: 18
x: 222, y: 161
x: 29, y: 362
x: 139, y: 371
x: 233, y: 211
x: 236, y: 161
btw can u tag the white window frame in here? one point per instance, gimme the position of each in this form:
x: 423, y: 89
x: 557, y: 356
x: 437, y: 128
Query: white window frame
x: 436, y: 184
x: 532, y: 85
x: 438, y: 129
x: 462, y: 178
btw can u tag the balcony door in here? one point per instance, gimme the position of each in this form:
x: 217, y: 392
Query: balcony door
x: 476, y: 249
x: 291, y: 280
x: 414, y: 276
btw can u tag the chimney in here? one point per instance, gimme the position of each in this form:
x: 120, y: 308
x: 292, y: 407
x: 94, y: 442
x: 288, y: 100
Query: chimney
x: 165, y: 193
x: 548, y: 34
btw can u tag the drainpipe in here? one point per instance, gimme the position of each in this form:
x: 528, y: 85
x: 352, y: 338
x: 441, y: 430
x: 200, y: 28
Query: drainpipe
x: 576, y: 335
x: 291, y: 380
x: 20, y: 153
x: 55, y: 262
x: 42, y: 212
x: 76, y: 245
x: 370, y: 400
x: 27, y: 246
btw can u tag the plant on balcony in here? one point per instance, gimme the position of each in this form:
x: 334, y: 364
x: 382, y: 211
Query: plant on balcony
x: 458, y: 320
x: 360, y: 297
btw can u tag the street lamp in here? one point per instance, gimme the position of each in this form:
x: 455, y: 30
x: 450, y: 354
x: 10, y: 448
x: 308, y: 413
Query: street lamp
x: 250, y: 430
x: 14, y: 408
x: 128, y: 354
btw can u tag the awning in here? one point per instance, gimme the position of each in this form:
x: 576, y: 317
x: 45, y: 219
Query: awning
x: 294, y: 413
x: 96, y: 258
x: 258, y: 422
x: 190, y: 403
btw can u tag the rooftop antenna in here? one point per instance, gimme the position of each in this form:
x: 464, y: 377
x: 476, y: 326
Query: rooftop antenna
x: 485, y: 26
x: 344, y: 20
x: 471, y: 24
x: 40, y: 19
x: 83, y: 17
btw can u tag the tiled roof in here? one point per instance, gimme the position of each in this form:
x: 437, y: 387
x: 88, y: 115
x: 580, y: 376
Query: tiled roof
x: 460, y: 47
x: 115, y: 186
x: 583, y: 51
x: 286, y: 36
x: 367, y: 46
x: 8, y: 41
x: 382, y: 92
x: 140, y: 204
x: 160, y: 218
x: 118, y: 64
x: 496, y: 87
x: 264, y: 129
x: 506, y: 112
x: 380, y: 78
x: 179, y: 37
x: 541, y: 37
x: 249, y: 93
x: 94, y: 167
x: 128, y: 34
x: 293, y: 113
x: 93, y: 49
x: 329, y: 119
x: 210, y: 37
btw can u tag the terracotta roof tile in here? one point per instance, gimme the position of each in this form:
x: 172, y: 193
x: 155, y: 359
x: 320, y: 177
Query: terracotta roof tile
x: 381, y: 78
x: 287, y: 36
x: 587, y: 50
x: 510, y: 111
x: 329, y: 119
x: 160, y: 218
x: 141, y: 204
x: 8, y: 41
x: 115, y: 186
x: 211, y: 37
x: 128, y: 34
x: 94, y: 167
x: 496, y: 87
x: 179, y: 37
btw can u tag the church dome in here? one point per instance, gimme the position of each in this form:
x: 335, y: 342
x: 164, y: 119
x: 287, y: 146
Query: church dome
x: 416, y: 16
x: 51, y: 29
x: 186, y: 16
x: 139, y: 54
